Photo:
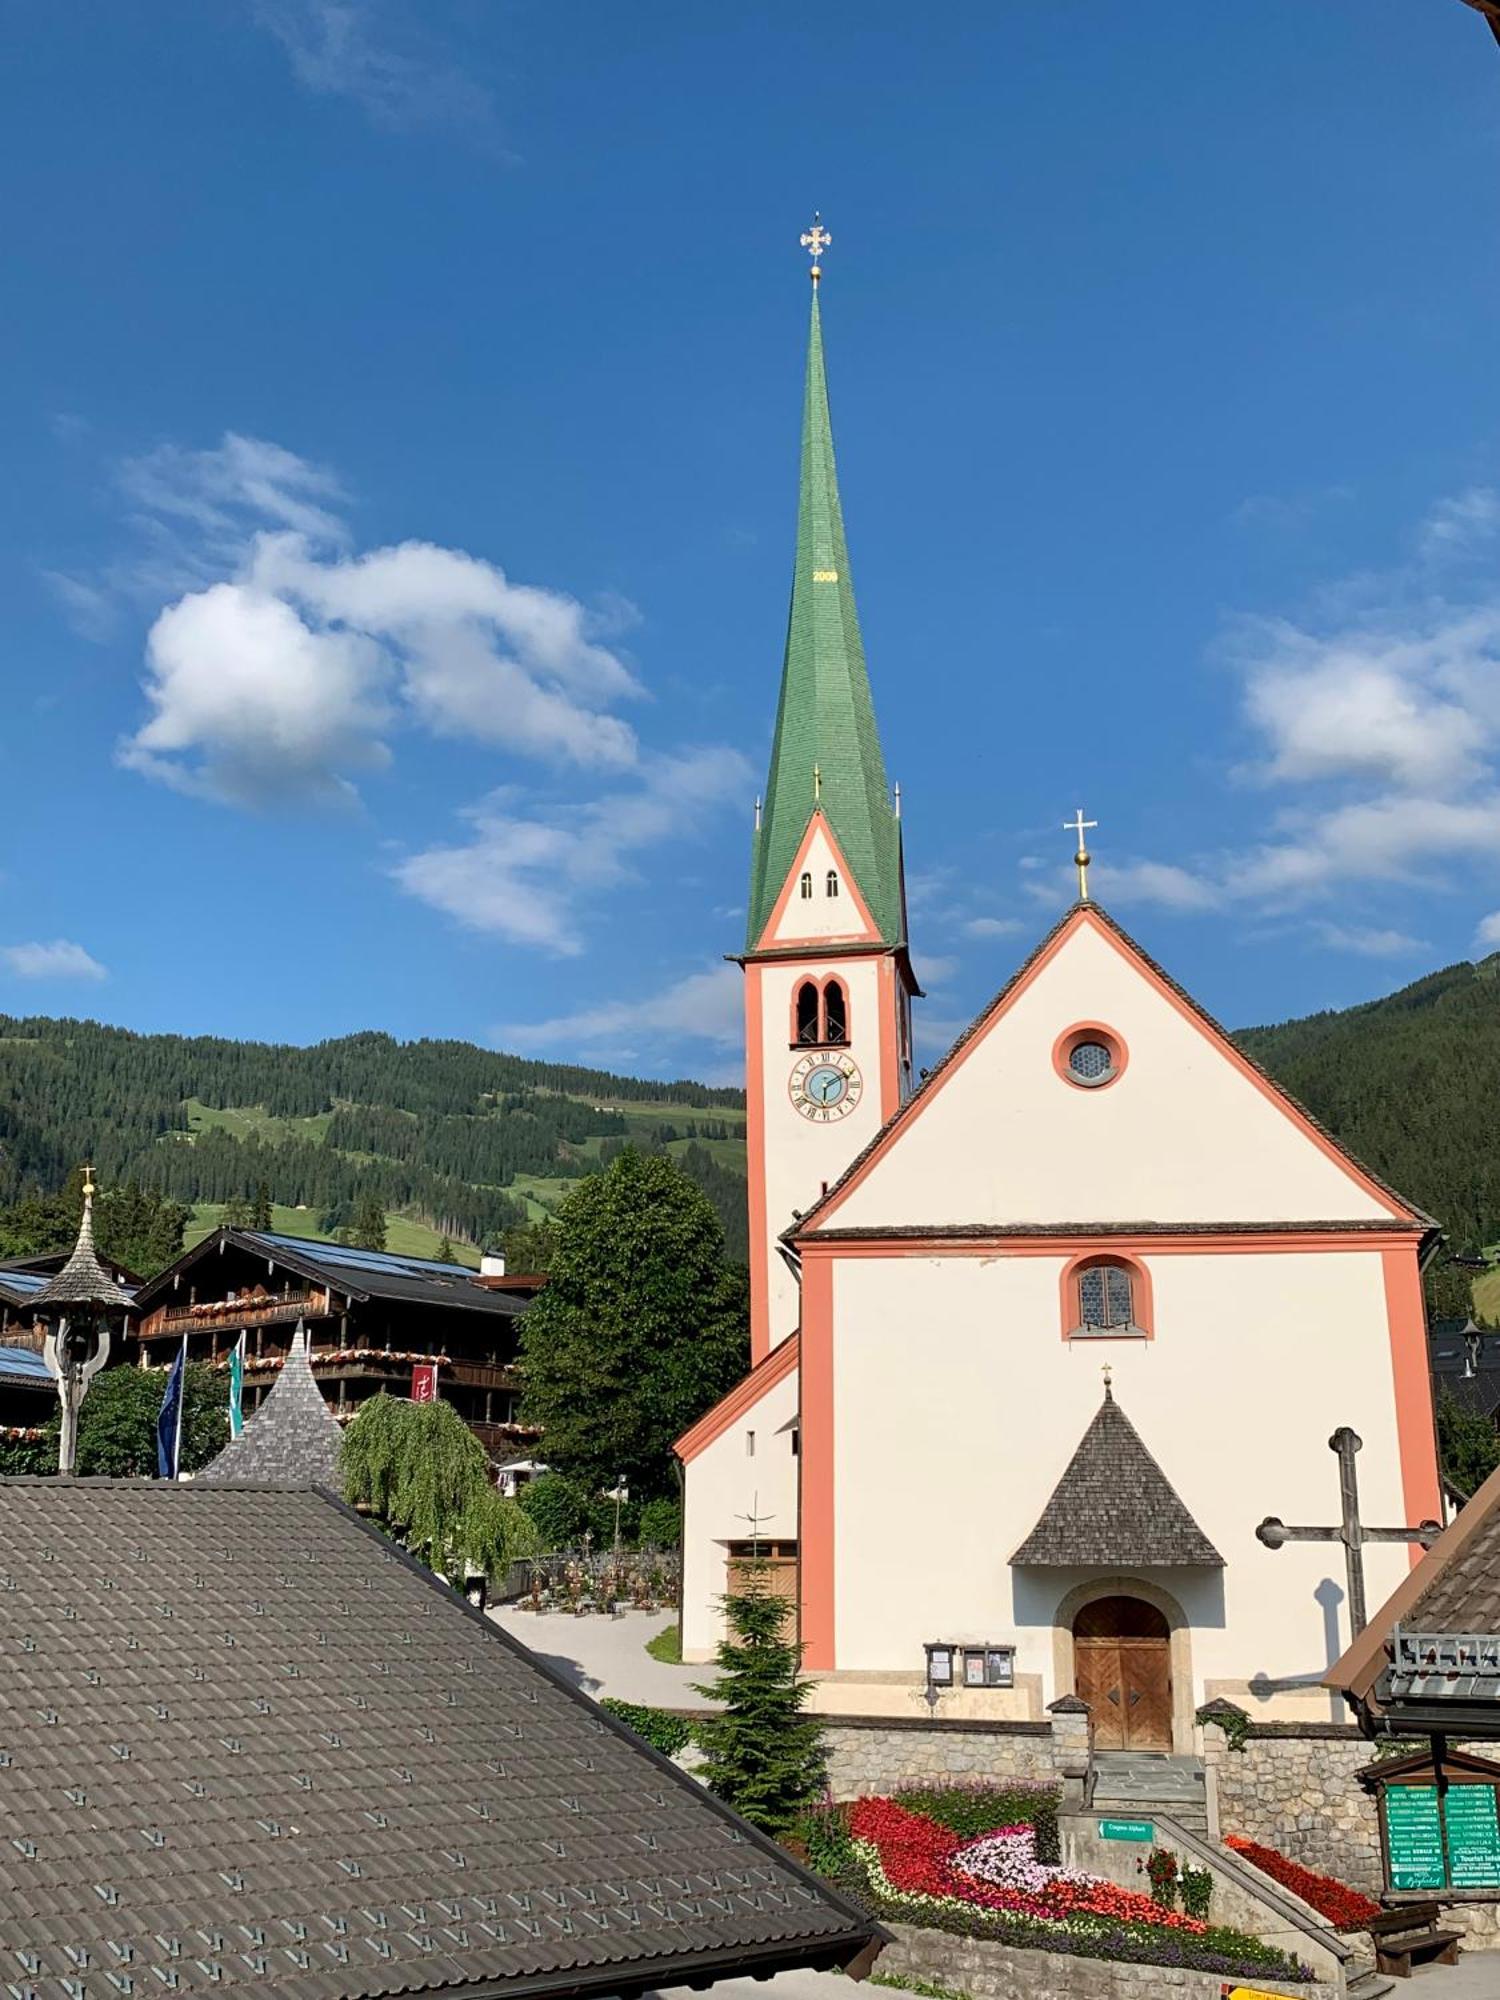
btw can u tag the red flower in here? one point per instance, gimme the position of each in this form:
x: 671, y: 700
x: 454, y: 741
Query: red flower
x: 1345, y: 1908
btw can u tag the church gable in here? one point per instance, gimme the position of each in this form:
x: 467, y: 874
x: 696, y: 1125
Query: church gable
x: 820, y: 901
x: 1094, y: 1091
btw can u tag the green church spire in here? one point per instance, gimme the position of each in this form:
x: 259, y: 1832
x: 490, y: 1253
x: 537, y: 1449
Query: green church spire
x: 827, y: 748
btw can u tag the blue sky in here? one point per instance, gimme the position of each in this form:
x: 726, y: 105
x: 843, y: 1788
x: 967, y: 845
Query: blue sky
x: 399, y: 406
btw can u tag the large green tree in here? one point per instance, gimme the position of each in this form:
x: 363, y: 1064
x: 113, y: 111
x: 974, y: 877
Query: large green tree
x: 1468, y: 1444
x: 117, y: 1425
x: 139, y: 1227
x: 640, y: 1328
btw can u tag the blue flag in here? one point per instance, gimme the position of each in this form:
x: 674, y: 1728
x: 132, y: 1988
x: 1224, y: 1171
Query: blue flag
x: 169, y: 1423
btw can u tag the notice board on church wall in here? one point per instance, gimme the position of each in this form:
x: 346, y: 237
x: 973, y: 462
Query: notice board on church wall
x: 1439, y: 1823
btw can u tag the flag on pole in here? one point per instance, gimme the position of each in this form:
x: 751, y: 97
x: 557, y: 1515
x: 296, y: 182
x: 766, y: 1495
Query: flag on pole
x: 169, y: 1423
x: 237, y: 1387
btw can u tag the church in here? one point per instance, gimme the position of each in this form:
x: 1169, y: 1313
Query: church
x: 1039, y: 1337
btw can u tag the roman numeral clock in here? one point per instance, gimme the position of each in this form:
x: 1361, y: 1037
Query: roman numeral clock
x: 825, y: 1086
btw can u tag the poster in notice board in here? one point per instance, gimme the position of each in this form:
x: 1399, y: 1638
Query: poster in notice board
x: 1414, y: 1837
x: 1473, y: 1837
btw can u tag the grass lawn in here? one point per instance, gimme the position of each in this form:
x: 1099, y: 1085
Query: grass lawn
x: 667, y: 1645
x: 1487, y: 1295
x: 403, y: 1236
x: 251, y: 1121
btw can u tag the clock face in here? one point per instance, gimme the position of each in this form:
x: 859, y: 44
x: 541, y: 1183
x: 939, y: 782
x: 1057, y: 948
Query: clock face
x: 826, y: 1086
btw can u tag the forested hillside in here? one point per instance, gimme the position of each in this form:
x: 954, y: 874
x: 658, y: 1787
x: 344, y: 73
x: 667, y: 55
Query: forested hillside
x: 465, y: 1140
x: 1411, y: 1084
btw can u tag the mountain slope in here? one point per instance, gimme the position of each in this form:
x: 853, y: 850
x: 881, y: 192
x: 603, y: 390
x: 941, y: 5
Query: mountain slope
x: 1411, y: 1084
x: 466, y: 1140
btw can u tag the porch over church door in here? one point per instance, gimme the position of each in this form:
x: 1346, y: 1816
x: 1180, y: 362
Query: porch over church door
x: 1122, y: 1667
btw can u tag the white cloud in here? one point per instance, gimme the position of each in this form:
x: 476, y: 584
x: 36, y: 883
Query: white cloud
x: 375, y: 53
x: 704, y: 1006
x: 60, y: 959
x: 1461, y: 522
x: 529, y: 877
x: 1370, y: 942
x: 991, y: 927
x: 287, y: 660
x: 1487, y: 933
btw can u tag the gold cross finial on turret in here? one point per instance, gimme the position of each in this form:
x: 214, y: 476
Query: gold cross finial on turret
x: 1079, y: 825
x: 88, y: 1183
x: 815, y: 241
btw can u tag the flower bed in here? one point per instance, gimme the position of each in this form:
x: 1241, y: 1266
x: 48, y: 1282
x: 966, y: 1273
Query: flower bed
x: 909, y: 1865
x: 1345, y: 1908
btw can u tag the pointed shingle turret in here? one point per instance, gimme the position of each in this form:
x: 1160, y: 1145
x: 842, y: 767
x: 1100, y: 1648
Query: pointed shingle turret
x: 827, y: 749
x: 83, y: 1280
x: 1115, y: 1508
x: 293, y: 1439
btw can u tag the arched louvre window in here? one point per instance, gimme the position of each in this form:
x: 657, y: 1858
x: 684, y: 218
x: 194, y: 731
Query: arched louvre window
x: 807, y: 1014
x: 806, y: 886
x: 835, y: 1013
x: 833, y: 882
x: 1105, y: 1297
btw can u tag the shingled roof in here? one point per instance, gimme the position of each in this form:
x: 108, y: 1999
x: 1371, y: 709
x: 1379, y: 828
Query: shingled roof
x: 1115, y: 1506
x: 83, y: 1280
x: 293, y: 1439
x: 250, y: 1745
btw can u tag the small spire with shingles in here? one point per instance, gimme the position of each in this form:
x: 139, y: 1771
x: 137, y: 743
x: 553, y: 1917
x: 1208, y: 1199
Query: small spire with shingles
x: 83, y: 1280
x: 293, y: 1439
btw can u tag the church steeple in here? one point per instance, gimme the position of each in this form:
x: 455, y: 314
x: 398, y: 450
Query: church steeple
x: 826, y: 754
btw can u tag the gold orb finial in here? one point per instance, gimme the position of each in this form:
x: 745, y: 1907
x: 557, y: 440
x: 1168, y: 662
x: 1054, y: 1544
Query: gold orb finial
x: 1079, y: 825
x: 815, y: 241
x: 89, y: 1190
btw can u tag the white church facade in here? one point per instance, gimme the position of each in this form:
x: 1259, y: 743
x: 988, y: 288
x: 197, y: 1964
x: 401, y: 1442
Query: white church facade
x: 1038, y: 1342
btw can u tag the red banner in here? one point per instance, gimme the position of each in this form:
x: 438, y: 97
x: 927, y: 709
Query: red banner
x: 424, y: 1382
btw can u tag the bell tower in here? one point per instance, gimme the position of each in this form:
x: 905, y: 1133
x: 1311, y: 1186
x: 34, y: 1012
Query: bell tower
x: 828, y: 979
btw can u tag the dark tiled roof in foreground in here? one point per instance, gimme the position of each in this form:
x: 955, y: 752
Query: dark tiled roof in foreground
x: 293, y: 1439
x: 248, y: 1746
x: 1114, y: 1505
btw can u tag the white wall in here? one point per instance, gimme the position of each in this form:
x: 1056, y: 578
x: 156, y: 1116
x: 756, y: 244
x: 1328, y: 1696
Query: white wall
x: 821, y: 916
x: 958, y: 1405
x: 1182, y: 1136
x: 725, y: 1483
x: 800, y: 1155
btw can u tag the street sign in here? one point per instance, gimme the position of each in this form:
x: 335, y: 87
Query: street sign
x: 424, y: 1382
x: 1126, y: 1829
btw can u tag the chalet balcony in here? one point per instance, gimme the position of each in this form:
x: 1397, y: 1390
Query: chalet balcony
x: 393, y: 1370
x: 284, y: 1309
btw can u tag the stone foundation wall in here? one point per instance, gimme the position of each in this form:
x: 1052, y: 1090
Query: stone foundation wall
x: 1293, y: 1788
x: 872, y: 1756
x: 996, y: 1972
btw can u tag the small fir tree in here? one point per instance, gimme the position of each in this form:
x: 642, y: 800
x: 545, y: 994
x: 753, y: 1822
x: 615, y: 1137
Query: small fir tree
x: 368, y: 1229
x: 260, y: 1208
x: 235, y: 1214
x: 762, y: 1756
x: 445, y: 1251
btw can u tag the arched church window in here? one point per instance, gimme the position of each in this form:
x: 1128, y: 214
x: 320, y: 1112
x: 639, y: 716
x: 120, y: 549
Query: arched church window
x: 835, y: 1013
x: 1106, y: 1298
x: 806, y: 886
x: 807, y: 1014
x: 833, y: 882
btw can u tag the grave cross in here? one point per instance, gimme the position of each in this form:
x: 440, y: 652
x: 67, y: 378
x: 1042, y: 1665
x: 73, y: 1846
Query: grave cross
x: 1351, y: 1531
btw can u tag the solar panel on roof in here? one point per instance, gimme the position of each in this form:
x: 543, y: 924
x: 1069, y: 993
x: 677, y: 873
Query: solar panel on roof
x: 24, y: 1281
x: 362, y: 1260
x: 22, y: 1361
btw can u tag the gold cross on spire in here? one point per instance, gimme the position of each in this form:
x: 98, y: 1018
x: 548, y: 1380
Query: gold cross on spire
x: 1079, y: 825
x: 817, y: 782
x: 815, y: 241
x: 88, y: 1181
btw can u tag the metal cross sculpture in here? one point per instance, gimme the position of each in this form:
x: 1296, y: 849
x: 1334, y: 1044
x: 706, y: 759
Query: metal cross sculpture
x: 1351, y: 1531
x: 815, y: 241
x: 1079, y: 825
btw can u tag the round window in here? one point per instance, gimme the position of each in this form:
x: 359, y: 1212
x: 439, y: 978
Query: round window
x: 1090, y: 1062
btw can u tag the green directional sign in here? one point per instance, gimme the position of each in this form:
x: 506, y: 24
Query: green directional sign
x: 1414, y: 1837
x: 1473, y: 1837
x: 1127, y: 1829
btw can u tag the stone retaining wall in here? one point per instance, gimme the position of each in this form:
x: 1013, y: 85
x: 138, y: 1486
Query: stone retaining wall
x: 871, y: 1757
x: 1293, y: 1788
x: 999, y: 1972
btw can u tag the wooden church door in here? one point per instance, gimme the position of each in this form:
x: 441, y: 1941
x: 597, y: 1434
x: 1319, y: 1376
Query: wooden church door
x: 1122, y: 1667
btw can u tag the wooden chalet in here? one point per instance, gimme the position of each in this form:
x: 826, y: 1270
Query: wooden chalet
x: 373, y: 1319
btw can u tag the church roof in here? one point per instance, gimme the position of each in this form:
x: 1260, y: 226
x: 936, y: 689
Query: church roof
x: 304, y: 1769
x: 1115, y: 1507
x: 83, y: 1280
x: 807, y: 1224
x: 293, y: 1439
x: 825, y: 721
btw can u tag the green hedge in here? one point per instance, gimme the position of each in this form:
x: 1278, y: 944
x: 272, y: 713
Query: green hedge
x: 656, y: 1726
x: 976, y: 1808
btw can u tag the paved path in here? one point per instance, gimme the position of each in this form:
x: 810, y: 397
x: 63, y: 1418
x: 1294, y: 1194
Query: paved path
x: 607, y: 1656
x: 1475, y: 1977
x: 786, y: 1986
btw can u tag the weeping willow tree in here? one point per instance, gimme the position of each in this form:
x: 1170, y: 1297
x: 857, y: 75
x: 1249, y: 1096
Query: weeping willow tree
x: 421, y: 1470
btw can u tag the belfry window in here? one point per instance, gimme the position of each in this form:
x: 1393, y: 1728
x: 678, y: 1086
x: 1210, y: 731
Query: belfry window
x: 807, y: 1014
x: 835, y: 1013
x: 1106, y: 1298
x: 832, y: 887
x: 806, y: 888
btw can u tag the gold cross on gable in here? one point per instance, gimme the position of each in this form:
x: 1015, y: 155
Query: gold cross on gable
x: 815, y: 241
x: 1080, y: 826
x: 88, y: 1180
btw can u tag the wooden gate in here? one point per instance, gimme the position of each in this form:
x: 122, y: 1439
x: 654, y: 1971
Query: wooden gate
x: 1122, y: 1667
